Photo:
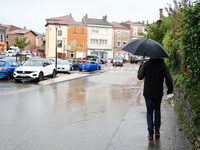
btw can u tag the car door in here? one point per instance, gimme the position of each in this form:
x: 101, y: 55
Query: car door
x: 93, y: 65
x: 47, y: 67
x: 76, y: 64
x: 13, y: 65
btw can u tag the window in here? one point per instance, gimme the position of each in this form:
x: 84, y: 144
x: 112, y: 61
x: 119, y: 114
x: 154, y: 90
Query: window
x: 59, y: 32
x: 118, y: 43
x: 75, y: 30
x: 59, y: 42
x: 94, y: 30
x: 72, y: 54
x: 103, y: 42
x: 82, y: 30
x: 103, y: 30
x: 94, y: 41
x: 2, y: 38
x: 119, y: 33
x: 125, y: 33
x: 135, y: 30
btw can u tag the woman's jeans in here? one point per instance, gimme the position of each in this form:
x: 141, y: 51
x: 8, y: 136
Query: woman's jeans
x: 153, y: 114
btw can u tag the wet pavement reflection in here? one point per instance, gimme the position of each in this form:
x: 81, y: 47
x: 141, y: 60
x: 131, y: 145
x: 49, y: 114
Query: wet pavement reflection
x: 101, y: 112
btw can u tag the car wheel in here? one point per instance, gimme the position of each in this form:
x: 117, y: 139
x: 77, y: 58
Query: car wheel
x: 40, y: 78
x: 8, y: 76
x: 17, y: 80
x: 53, y: 74
x: 91, y: 69
x: 80, y: 69
x: 99, y: 67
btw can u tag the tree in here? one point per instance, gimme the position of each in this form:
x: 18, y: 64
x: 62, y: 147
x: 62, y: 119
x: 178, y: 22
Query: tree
x: 21, y: 42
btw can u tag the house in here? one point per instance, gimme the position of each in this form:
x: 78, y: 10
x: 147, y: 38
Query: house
x: 136, y: 28
x: 31, y: 36
x: 2, y: 38
x: 10, y: 28
x: 70, y: 36
x: 100, y: 37
x: 40, y: 45
x: 121, y: 37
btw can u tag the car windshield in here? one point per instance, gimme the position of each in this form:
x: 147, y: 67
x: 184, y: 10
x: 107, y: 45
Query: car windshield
x: 118, y: 58
x: 2, y: 63
x: 64, y: 62
x: 33, y: 63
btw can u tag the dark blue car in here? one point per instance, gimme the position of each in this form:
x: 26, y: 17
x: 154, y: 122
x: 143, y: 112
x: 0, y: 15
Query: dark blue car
x: 89, y: 65
x: 7, y: 68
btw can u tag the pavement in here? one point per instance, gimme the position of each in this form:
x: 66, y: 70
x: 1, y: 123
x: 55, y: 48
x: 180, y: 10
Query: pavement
x: 131, y: 136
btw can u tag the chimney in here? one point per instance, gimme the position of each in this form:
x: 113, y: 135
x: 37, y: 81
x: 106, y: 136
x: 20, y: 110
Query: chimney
x: 161, y: 13
x: 24, y: 27
x: 105, y: 18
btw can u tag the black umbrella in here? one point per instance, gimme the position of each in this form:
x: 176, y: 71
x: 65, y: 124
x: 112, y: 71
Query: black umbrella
x: 145, y: 47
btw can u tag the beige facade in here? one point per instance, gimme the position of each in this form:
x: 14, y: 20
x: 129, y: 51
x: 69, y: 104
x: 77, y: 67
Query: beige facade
x: 40, y: 45
x: 122, y: 35
x: 52, y: 37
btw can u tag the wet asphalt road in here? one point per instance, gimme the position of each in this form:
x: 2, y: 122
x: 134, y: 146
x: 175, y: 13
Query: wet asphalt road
x: 100, y: 112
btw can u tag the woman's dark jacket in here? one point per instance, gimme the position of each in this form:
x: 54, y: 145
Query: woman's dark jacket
x: 154, y: 71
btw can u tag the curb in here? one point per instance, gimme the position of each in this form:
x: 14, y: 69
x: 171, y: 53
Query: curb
x: 59, y: 79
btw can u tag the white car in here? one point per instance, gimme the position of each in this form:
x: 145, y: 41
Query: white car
x: 35, y: 69
x: 11, y: 53
x: 63, y: 66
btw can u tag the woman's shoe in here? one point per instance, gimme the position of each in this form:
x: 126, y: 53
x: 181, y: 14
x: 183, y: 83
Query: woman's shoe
x: 157, y: 132
x: 150, y: 137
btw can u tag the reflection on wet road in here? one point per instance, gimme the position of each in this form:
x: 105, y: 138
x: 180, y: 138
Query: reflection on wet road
x: 100, y: 112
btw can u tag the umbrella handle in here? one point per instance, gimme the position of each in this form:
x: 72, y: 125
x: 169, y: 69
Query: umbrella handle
x: 144, y: 55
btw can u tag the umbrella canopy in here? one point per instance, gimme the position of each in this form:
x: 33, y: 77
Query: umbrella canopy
x: 145, y: 47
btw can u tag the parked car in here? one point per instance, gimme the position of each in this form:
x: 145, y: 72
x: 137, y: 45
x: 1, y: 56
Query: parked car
x: 17, y: 59
x: 4, y: 52
x: 103, y: 61
x: 117, y: 61
x: 27, y: 53
x: 74, y: 64
x: 124, y: 60
x: 63, y: 66
x: 11, y: 53
x: 93, y: 58
x: 35, y: 69
x: 54, y: 60
x: 89, y: 65
x: 134, y: 60
x: 7, y: 68
x: 2, y: 56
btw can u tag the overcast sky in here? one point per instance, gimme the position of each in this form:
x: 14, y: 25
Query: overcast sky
x: 33, y: 14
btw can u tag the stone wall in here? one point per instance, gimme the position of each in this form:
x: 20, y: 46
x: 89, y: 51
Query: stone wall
x: 181, y: 99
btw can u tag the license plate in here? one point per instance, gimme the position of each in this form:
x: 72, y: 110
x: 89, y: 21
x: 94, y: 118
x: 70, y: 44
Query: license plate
x: 23, y: 75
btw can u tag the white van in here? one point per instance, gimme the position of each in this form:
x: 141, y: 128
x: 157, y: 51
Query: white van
x: 14, y: 49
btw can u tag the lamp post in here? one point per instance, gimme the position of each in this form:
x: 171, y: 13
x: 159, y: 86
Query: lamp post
x: 56, y: 26
x: 63, y: 47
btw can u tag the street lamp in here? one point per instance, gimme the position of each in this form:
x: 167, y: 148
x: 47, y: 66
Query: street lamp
x: 63, y: 47
x: 56, y: 26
